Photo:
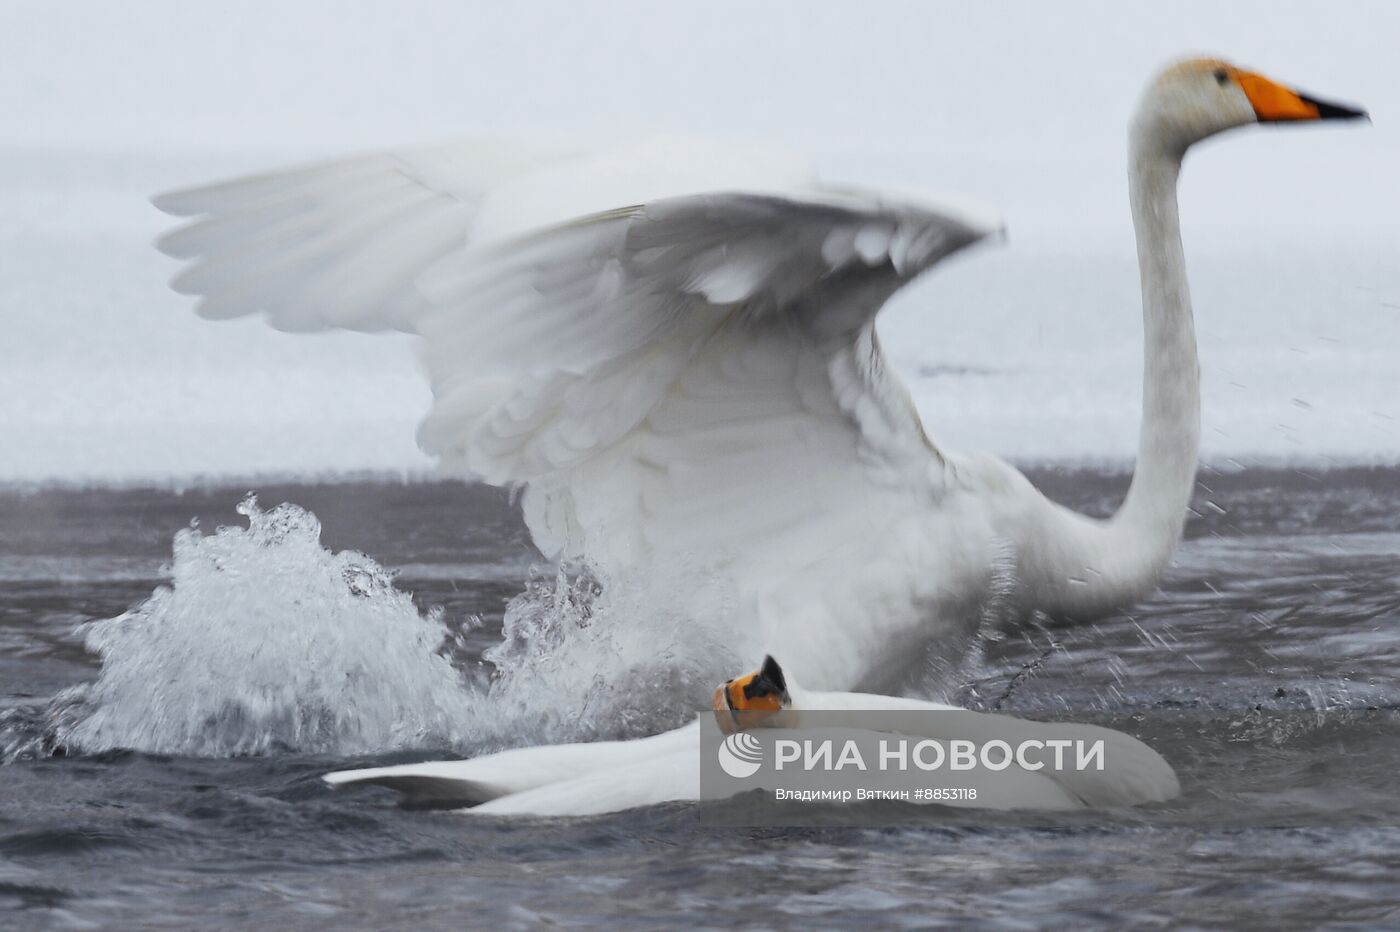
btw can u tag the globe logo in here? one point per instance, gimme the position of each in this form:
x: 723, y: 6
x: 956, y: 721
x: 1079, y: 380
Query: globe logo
x: 740, y: 755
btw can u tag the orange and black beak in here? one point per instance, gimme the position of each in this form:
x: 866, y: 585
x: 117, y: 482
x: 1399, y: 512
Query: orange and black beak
x: 746, y: 700
x: 1274, y: 103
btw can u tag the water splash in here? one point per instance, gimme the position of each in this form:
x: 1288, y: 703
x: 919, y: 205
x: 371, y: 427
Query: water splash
x: 583, y: 659
x: 266, y: 641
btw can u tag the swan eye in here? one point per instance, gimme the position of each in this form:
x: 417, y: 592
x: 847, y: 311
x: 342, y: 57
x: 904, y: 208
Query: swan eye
x: 1221, y: 76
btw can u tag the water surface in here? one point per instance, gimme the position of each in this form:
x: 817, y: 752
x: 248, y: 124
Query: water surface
x: 1264, y: 669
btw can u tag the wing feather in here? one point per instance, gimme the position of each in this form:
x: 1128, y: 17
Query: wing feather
x: 684, y: 376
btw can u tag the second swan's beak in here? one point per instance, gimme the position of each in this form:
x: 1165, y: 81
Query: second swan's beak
x: 1274, y: 103
x: 746, y: 700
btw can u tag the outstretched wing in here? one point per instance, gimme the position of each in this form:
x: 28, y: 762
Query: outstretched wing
x: 688, y: 378
x: 342, y: 243
x: 676, y: 371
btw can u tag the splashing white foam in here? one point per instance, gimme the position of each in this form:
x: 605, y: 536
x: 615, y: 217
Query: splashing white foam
x: 264, y: 640
x: 581, y: 658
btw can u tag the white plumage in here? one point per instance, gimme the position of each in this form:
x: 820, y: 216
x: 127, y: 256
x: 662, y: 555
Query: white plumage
x: 670, y: 345
x: 610, y: 776
x: 693, y: 377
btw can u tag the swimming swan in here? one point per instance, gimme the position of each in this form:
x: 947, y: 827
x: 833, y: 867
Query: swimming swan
x: 610, y: 776
x: 670, y: 346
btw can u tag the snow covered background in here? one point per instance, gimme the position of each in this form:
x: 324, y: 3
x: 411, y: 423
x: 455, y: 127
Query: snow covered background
x: 1030, y: 349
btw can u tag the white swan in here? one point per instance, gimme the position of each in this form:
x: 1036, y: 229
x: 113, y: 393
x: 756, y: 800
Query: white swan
x: 610, y: 776
x: 671, y: 348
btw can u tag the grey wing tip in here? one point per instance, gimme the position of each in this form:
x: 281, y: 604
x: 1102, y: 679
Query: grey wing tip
x: 338, y: 778
x: 178, y: 203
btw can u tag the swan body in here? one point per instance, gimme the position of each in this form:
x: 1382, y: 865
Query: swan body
x: 670, y: 347
x: 611, y: 776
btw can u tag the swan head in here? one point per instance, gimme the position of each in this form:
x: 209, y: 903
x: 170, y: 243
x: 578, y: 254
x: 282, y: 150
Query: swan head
x: 1200, y: 97
x: 757, y: 698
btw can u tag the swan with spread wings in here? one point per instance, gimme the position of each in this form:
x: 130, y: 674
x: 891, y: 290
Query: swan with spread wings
x: 670, y: 348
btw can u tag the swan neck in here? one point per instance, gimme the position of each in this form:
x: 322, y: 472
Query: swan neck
x: 1153, y: 515
x: 1079, y: 566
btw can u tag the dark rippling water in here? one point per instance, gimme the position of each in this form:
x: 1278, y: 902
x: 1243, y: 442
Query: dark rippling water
x: 1264, y: 669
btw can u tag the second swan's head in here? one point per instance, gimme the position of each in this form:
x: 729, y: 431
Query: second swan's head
x: 760, y: 698
x: 1199, y: 97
